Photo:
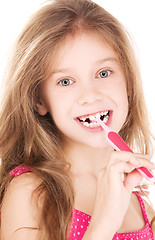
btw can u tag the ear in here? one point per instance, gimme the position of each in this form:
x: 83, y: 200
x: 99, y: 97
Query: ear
x: 41, y: 108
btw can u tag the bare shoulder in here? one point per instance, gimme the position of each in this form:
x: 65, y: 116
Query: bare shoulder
x: 20, y: 189
x: 24, y: 182
x: 18, y: 208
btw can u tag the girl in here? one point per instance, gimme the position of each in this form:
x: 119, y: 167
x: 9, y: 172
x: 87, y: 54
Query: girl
x: 60, y: 179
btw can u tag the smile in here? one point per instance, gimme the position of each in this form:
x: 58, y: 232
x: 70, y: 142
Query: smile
x: 89, y: 120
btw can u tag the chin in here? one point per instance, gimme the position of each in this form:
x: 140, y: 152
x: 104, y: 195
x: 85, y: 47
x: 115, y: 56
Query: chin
x: 98, y: 145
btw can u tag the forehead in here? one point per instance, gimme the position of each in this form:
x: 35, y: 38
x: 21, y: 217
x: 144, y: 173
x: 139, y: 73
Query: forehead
x: 83, y: 48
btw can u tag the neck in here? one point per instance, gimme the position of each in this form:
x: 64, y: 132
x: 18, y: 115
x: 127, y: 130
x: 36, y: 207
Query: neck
x: 87, y: 160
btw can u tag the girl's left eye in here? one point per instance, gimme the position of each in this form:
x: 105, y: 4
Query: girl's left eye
x: 104, y: 73
x: 65, y: 82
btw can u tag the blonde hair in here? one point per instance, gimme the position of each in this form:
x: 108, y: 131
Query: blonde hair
x: 28, y: 139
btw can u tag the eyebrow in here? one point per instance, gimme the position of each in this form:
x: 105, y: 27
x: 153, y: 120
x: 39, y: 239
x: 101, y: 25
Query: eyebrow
x: 109, y: 59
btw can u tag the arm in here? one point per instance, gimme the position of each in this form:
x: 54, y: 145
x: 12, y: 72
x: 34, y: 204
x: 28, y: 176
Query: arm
x: 113, y: 194
x: 19, y: 213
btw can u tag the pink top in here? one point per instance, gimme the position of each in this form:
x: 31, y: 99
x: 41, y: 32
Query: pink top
x: 81, y: 220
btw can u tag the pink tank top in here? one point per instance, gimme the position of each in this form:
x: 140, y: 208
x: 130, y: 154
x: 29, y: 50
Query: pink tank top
x: 81, y: 220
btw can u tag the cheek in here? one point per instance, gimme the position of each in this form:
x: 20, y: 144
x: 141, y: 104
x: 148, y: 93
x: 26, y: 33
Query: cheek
x: 57, y: 109
x: 122, y: 93
x: 125, y: 101
x: 124, y: 106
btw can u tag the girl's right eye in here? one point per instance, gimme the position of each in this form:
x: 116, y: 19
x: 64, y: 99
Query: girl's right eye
x: 65, y: 82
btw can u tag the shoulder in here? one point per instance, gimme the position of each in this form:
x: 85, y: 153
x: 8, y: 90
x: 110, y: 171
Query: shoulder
x: 20, y: 187
x: 26, y: 181
x: 19, y: 209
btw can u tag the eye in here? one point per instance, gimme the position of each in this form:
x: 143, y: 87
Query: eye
x: 65, y: 82
x: 104, y: 73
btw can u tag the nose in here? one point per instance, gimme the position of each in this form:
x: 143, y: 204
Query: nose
x: 90, y: 94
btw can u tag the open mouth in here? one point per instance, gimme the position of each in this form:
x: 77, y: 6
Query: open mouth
x: 89, y: 120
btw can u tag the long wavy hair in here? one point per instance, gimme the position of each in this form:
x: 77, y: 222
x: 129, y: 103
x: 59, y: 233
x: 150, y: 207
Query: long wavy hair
x: 28, y: 139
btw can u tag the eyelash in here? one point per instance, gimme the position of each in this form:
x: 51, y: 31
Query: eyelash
x: 65, y: 79
x: 107, y: 71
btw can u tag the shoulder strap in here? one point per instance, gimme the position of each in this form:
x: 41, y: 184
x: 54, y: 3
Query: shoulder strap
x: 19, y: 170
x: 142, y: 206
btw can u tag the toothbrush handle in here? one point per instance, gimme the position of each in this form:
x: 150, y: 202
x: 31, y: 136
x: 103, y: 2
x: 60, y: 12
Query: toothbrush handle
x: 120, y: 145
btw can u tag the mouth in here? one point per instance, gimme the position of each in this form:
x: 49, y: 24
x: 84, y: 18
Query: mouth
x: 89, y: 120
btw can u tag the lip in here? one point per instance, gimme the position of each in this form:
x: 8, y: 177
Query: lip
x: 87, y: 115
x: 95, y: 129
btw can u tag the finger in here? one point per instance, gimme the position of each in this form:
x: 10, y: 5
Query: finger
x: 146, y: 156
x: 121, y: 167
x: 146, y: 163
x: 124, y: 157
x: 132, y: 180
x: 138, y: 160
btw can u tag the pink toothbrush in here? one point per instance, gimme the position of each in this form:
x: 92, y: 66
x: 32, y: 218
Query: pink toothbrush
x: 120, y: 145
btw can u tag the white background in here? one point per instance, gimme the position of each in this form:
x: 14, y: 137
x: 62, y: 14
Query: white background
x: 138, y: 16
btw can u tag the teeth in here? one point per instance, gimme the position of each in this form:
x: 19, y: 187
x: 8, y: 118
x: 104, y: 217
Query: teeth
x: 83, y: 119
x: 104, y: 113
x: 93, y: 123
x: 98, y: 115
x: 86, y: 124
x: 105, y: 119
x: 92, y: 118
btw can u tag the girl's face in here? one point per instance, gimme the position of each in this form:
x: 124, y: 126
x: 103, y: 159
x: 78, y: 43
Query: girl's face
x: 86, y: 81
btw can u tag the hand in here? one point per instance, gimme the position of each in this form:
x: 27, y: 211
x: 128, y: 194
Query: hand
x: 113, y: 194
